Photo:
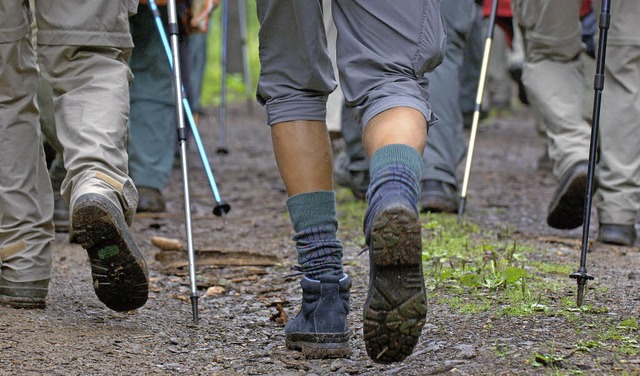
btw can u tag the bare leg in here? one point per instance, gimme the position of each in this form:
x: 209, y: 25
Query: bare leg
x: 399, y: 125
x: 303, y: 153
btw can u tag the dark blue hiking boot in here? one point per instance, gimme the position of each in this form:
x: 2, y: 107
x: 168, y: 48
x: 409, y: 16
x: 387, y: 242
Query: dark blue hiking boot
x: 320, y: 329
x: 396, y: 308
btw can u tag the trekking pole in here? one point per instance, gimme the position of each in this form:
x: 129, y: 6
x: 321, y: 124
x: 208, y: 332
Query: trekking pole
x: 181, y: 104
x: 246, y: 71
x: 182, y: 137
x: 222, y: 148
x: 221, y: 208
x: 581, y: 274
x: 476, y: 110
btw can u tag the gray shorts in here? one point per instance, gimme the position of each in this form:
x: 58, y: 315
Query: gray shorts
x: 383, y: 51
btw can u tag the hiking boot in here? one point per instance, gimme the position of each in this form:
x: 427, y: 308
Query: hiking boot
x: 396, y: 308
x: 617, y: 234
x: 566, y: 210
x: 356, y: 181
x: 515, y: 71
x: 119, y: 272
x: 467, y: 118
x: 438, y: 197
x: 320, y: 329
x: 29, y: 295
x: 150, y: 200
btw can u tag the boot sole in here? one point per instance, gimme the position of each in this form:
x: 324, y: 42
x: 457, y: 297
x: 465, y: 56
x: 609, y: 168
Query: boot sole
x: 22, y: 302
x: 566, y: 212
x: 119, y: 272
x: 318, y: 346
x: 396, y: 307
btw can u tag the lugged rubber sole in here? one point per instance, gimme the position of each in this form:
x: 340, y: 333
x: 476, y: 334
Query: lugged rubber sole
x: 566, y: 212
x: 22, y: 302
x: 396, y: 307
x: 119, y: 272
x: 320, y: 345
x: 27, y: 295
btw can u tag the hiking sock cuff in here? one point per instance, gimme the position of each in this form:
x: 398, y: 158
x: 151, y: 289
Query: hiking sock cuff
x: 312, y: 209
x: 397, y: 154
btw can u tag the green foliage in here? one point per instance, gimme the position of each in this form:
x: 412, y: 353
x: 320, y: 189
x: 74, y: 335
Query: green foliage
x: 474, y: 271
x: 464, y: 256
x: 236, y: 88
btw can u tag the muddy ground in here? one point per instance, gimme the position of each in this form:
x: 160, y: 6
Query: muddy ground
x: 240, y: 330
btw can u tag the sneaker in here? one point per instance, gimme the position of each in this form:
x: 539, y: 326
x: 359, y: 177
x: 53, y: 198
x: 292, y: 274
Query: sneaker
x: 617, y: 234
x: 396, y: 308
x: 566, y: 210
x: 29, y: 295
x: 438, y: 197
x: 150, y: 200
x: 119, y: 272
x: 320, y: 329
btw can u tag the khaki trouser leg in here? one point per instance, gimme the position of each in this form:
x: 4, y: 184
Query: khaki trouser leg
x: 618, y: 195
x: 85, y: 61
x: 553, y: 76
x: 26, y: 198
x: 91, y: 116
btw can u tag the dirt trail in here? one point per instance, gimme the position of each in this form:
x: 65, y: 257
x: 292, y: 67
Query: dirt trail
x: 240, y: 330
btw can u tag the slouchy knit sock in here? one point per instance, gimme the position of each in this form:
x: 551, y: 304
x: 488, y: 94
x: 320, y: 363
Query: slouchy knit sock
x: 314, y: 220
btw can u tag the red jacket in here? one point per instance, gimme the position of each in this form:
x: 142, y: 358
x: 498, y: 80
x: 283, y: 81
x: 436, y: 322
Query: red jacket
x: 504, y: 8
x: 504, y: 15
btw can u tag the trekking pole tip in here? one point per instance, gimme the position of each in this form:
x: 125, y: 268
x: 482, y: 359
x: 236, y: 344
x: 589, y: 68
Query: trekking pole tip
x: 194, y: 308
x: 463, y: 201
x: 221, y: 208
x: 581, y: 276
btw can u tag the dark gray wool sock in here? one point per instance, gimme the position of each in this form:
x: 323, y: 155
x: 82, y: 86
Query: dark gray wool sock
x: 313, y: 216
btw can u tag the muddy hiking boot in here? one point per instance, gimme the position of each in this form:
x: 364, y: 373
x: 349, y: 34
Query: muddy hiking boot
x: 395, y: 309
x: 566, y: 210
x: 320, y: 329
x: 119, y: 272
x: 438, y: 197
x: 150, y: 200
x: 28, y: 295
x: 624, y: 235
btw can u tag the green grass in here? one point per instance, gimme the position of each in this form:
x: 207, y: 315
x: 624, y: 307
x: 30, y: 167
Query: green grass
x: 471, y: 270
x: 236, y: 89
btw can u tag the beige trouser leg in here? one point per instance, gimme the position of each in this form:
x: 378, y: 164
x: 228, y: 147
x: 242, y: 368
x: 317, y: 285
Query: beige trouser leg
x: 618, y: 195
x: 84, y: 58
x: 553, y: 75
x: 26, y: 206
x: 91, y: 116
x: 499, y: 85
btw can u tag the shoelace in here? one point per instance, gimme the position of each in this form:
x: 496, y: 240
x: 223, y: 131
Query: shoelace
x: 363, y: 250
x: 298, y: 272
